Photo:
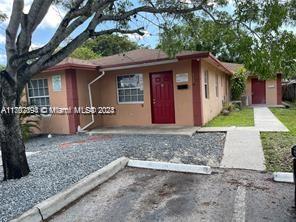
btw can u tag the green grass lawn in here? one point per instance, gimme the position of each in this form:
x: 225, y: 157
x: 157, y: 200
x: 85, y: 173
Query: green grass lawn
x: 277, y: 146
x: 245, y: 117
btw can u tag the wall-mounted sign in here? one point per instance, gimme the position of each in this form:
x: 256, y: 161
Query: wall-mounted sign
x: 182, y: 77
x: 56, y: 83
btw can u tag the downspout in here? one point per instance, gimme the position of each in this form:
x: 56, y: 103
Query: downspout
x: 91, y: 102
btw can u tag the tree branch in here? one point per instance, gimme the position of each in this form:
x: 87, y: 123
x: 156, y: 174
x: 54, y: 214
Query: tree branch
x: 11, y: 32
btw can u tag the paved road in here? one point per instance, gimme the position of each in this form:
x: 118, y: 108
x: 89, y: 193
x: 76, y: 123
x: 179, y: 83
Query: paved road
x: 147, y: 195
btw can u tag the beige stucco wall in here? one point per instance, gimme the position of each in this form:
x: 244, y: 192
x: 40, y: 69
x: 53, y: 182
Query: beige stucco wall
x: 213, y: 105
x: 105, y: 94
x: 271, y: 91
x: 83, y: 78
x: 56, y: 124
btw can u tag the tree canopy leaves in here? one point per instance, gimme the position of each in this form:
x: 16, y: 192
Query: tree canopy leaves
x: 256, y: 33
x: 106, y: 45
x: 84, y: 53
x: 203, y: 35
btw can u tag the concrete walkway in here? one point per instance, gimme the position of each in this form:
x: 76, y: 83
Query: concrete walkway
x: 146, y: 130
x: 243, y: 148
x: 266, y: 121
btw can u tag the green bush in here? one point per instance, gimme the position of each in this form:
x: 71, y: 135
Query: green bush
x: 238, y: 84
x: 29, y: 122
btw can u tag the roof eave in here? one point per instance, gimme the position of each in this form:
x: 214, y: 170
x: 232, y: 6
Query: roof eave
x: 71, y: 66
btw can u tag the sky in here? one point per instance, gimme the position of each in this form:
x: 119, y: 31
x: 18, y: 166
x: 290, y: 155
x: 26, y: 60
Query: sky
x: 52, y: 20
x: 54, y: 17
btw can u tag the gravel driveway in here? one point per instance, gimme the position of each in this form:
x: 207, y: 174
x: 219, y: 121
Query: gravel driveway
x: 64, y: 160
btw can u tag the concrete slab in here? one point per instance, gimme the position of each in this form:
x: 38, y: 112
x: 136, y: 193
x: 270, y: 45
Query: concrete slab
x: 283, y: 177
x: 148, y: 195
x: 243, y: 150
x: 224, y: 129
x: 146, y: 130
x: 177, y: 167
x: 27, y: 154
x: 266, y: 121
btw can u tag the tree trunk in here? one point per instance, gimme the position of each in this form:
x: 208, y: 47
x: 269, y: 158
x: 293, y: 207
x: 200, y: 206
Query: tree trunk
x: 14, y: 158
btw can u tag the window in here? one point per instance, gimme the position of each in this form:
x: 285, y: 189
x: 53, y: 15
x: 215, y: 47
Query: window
x: 38, y: 93
x: 206, y: 79
x: 217, y: 85
x: 130, y: 88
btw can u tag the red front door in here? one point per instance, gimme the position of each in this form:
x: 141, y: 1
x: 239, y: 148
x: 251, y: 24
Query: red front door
x: 258, y: 91
x: 162, y: 97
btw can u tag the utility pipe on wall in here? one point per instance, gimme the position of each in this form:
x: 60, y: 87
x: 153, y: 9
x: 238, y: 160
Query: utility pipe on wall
x: 90, y: 101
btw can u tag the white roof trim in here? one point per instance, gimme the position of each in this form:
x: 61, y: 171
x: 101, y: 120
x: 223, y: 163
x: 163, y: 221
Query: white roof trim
x: 139, y: 65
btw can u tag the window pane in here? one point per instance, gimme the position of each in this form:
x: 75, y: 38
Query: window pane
x: 42, y: 101
x: 30, y: 92
x: 134, y: 98
x: 36, y: 92
x: 47, y: 101
x: 34, y: 83
x: 127, y: 98
x: 32, y: 102
x: 120, y: 92
x: 127, y: 92
x: 134, y: 92
x: 46, y: 91
x: 140, y: 92
x: 121, y: 99
x: 41, y: 92
x: 141, y: 98
x: 40, y: 83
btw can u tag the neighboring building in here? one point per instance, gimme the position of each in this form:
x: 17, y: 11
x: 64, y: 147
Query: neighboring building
x: 145, y: 86
x: 261, y: 92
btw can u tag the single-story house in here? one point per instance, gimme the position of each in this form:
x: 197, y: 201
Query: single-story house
x: 261, y: 92
x: 141, y: 88
x: 144, y: 86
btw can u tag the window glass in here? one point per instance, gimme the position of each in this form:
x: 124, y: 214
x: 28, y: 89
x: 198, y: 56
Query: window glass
x: 130, y: 88
x: 38, y: 93
x: 206, y: 79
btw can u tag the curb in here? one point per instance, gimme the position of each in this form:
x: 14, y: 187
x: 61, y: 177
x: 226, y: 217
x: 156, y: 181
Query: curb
x: 177, y: 167
x: 283, y: 177
x: 52, y: 205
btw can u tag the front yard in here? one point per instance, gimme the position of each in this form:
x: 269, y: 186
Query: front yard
x: 277, y: 146
x: 64, y: 160
x: 244, y: 117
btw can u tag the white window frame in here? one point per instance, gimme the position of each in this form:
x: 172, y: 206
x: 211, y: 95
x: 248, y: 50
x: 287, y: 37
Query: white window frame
x: 206, y: 84
x: 38, y: 97
x: 117, y: 89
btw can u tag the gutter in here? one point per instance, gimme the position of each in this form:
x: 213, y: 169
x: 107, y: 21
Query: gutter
x: 137, y: 65
x: 91, y: 102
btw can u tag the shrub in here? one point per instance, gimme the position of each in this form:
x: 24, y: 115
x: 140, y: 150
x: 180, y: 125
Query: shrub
x: 238, y: 84
x: 28, y: 122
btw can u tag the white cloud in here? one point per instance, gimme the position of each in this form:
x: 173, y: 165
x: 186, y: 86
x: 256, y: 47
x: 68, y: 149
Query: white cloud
x: 36, y: 46
x: 137, y: 37
x: 51, y: 20
x: 2, y: 39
